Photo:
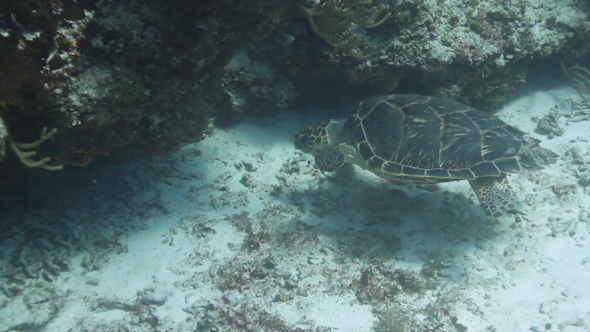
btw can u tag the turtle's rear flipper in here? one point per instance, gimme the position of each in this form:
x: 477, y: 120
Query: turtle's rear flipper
x: 495, y: 195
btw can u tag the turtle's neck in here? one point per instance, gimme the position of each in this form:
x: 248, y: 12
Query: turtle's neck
x: 335, y: 130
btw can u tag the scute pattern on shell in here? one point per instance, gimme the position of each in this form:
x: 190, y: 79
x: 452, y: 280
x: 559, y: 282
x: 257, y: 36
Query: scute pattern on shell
x: 443, y: 140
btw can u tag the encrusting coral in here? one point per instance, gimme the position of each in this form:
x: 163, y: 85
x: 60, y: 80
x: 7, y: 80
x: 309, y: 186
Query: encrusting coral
x: 339, y: 21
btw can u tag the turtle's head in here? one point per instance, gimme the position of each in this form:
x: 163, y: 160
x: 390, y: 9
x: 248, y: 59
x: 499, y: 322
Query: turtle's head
x: 313, y: 139
x: 322, y: 141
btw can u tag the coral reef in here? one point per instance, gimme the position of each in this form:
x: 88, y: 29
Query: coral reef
x: 472, y: 51
x: 339, y: 22
x: 122, y: 80
x: 254, y: 87
x: 462, y: 50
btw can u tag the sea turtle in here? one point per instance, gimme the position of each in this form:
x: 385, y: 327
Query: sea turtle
x: 421, y: 139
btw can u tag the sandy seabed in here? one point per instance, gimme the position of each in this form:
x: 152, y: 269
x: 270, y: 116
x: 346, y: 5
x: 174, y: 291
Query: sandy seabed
x: 241, y: 232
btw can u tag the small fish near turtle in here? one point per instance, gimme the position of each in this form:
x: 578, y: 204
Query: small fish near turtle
x: 420, y: 139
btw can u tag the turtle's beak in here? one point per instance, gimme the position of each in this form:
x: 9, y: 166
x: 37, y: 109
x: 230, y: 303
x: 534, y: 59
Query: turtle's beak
x: 301, y: 140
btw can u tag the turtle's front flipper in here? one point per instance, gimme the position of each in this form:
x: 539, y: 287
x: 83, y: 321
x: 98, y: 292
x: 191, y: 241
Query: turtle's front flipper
x: 496, y: 196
